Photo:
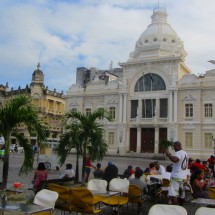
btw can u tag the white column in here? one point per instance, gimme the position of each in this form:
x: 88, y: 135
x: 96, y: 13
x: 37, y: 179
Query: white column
x: 127, y: 139
x: 175, y: 106
x: 140, y: 108
x: 124, y: 108
x: 170, y: 108
x: 138, y: 139
x: 157, y: 108
x: 156, y: 140
x: 120, y: 108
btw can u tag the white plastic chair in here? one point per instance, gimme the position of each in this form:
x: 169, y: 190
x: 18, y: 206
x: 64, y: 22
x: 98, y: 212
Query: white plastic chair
x: 167, y: 209
x: 97, y: 184
x: 205, y: 211
x: 46, y: 198
x: 118, y: 184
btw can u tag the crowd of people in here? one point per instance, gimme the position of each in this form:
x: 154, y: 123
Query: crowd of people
x: 200, y: 174
x: 180, y: 171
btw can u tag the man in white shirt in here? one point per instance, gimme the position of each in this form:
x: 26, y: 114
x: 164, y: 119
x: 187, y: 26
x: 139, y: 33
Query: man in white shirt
x: 178, y: 175
x: 159, y: 168
x: 69, y: 172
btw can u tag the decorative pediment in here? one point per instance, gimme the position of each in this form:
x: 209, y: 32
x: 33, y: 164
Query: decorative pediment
x: 74, y: 104
x: 188, y: 79
x: 188, y: 98
x: 75, y: 88
x: 88, y: 104
x: 208, y: 98
x: 112, y: 102
x: 188, y: 126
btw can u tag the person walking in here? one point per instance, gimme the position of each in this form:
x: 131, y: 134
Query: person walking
x: 178, y: 175
x: 88, y: 166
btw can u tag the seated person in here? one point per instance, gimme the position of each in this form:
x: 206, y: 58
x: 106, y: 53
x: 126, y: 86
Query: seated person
x: 198, y: 164
x: 39, y: 176
x: 193, y: 169
x: 198, y: 184
x: 167, y: 173
x: 206, y: 169
x: 190, y: 162
x: 110, y: 172
x: 69, y: 172
x: 159, y: 168
x: 152, y: 169
x: 98, y: 173
x: 136, y: 180
x: 146, y: 170
x: 128, y: 172
x: 211, y: 163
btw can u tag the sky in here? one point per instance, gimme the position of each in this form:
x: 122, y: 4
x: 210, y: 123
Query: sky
x: 65, y: 34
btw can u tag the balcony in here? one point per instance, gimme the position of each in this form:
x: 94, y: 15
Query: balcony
x: 149, y: 120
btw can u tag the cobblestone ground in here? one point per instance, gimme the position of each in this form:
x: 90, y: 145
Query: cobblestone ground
x: 122, y: 162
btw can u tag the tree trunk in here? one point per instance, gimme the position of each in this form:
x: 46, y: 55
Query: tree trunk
x: 83, y: 169
x: 5, y: 170
x: 6, y: 161
x: 77, y: 168
x: 83, y: 164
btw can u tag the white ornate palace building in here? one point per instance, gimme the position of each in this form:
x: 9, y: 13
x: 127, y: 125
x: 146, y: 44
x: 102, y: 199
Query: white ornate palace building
x: 153, y: 96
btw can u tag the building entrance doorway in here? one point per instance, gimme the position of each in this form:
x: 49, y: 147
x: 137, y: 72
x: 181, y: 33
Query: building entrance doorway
x: 162, y: 136
x: 133, y: 139
x: 147, y: 140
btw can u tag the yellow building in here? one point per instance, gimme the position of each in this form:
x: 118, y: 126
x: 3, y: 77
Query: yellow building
x: 49, y: 104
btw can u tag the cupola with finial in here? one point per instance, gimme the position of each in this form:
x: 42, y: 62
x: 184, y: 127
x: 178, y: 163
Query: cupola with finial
x: 37, y: 76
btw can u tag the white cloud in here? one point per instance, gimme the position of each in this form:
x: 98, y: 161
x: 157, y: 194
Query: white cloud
x: 64, y: 35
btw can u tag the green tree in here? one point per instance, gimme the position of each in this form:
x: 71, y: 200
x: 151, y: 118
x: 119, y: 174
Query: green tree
x: 19, y: 111
x: 85, y: 134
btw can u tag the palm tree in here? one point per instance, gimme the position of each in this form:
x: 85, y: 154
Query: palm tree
x: 85, y: 134
x: 70, y: 139
x: 19, y: 111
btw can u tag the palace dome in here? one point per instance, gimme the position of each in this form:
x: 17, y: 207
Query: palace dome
x: 158, y: 40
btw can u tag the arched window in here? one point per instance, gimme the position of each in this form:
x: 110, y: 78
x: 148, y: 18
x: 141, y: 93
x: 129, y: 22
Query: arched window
x: 150, y: 82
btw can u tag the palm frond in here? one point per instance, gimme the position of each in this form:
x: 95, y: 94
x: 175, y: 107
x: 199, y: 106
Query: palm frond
x: 27, y: 165
x: 14, y: 113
